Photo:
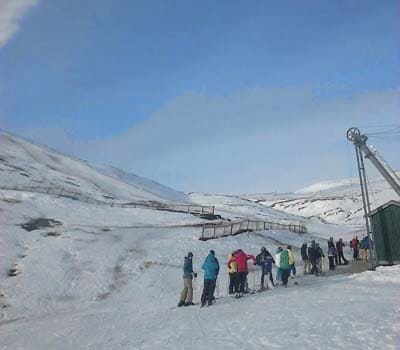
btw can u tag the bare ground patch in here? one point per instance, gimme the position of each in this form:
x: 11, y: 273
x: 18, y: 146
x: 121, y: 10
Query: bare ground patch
x: 40, y: 223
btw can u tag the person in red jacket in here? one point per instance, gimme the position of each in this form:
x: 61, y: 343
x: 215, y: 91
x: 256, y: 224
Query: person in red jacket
x: 241, y: 259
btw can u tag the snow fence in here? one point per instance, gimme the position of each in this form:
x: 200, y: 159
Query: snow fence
x: 211, y: 231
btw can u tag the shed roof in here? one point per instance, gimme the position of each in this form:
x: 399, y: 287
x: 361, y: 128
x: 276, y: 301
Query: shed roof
x: 387, y: 204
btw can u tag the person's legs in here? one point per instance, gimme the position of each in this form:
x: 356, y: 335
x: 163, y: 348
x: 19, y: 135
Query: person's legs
x: 211, y: 290
x: 271, y: 278
x: 364, y: 255
x: 263, y: 273
x: 285, y: 276
x: 205, y: 295
x: 293, y: 269
x: 184, y: 290
x: 331, y: 263
x: 319, y: 265
x: 278, y: 274
x: 232, y: 282
x: 308, y: 266
x: 187, y: 292
x: 241, y: 280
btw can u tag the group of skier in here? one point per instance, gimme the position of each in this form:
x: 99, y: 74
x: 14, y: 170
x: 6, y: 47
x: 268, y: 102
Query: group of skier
x: 238, y: 271
x: 283, y: 259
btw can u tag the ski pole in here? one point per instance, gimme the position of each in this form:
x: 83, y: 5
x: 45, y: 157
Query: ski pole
x: 217, y: 288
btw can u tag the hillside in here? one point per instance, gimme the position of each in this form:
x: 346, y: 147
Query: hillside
x: 25, y: 163
x: 337, y: 202
x: 89, y: 276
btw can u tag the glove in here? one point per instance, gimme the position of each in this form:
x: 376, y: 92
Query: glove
x: 195, y: 274
x: 254, y: 263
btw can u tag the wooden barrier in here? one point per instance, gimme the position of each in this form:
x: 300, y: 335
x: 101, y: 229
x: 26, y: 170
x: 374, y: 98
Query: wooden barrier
x: 211, y: 231
x: 174, y: 207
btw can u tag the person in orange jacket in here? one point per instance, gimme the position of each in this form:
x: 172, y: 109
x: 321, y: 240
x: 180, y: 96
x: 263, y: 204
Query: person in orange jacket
x: 241, y: 259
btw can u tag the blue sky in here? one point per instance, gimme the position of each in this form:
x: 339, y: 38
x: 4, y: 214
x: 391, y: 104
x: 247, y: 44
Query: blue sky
x: 221, y: 96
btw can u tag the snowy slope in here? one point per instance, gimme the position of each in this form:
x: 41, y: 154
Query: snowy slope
x: 25, y: 163
x: 338, y: 202
x: 110, y: 278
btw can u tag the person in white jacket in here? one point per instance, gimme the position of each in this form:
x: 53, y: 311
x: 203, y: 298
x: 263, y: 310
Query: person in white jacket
x: 277, y: 263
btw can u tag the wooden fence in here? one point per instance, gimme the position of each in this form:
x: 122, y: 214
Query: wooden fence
x: 170, y: 206
x: 211, y: 231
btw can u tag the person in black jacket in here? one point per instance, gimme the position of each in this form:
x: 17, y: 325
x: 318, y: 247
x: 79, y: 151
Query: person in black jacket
x: 312, y: 256
x: 319, y: 254
x: 304, y: 257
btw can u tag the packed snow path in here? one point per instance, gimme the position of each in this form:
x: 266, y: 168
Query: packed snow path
x: 346, y: 312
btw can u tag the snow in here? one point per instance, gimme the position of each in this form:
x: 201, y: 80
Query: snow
x: 25, y: 163
x: 338, y: 202
x: 110, y: 278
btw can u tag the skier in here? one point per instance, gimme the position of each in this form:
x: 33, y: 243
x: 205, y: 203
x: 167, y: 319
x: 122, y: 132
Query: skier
x: 188, y: 274
x: 339, y: 247
x: 313, y: 256
x: 304, y: 257
x: 232, y: 270
x: 284, y: 266
x: 354, y: 244
x: 332, y: 244
x: 211, y: 269
x: 331, y: 256
x: 212, y: 252
x: 319, y: 255
x: 291, y: 261
x: 265, y: 260
x: 241, y: 260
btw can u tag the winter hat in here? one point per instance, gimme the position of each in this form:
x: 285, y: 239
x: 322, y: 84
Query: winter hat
x: 263, y: 249
x: 212, y: 252
x: 190, y: 254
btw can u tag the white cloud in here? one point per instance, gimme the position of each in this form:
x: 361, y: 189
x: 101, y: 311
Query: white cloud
x: 11, y: 12
x: 253, y: 141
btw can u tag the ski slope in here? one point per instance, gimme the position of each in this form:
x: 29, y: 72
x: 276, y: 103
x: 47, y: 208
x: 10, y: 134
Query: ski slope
x: 110, y: 278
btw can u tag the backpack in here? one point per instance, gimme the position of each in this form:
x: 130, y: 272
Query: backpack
x: 259, y: 261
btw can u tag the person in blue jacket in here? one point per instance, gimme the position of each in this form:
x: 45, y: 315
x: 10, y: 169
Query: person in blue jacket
x: 188, y: 274
x: 211, y: 270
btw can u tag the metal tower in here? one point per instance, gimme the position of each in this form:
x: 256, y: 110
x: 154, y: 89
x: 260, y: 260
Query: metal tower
x: 359, y: 141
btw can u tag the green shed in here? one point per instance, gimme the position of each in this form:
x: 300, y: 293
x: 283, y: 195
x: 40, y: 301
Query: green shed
x: 385, y: 223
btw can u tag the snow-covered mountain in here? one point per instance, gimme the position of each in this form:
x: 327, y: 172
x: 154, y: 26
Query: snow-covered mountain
x: 25, y: 163
x: 338, y: 202
x: 76, y: 275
